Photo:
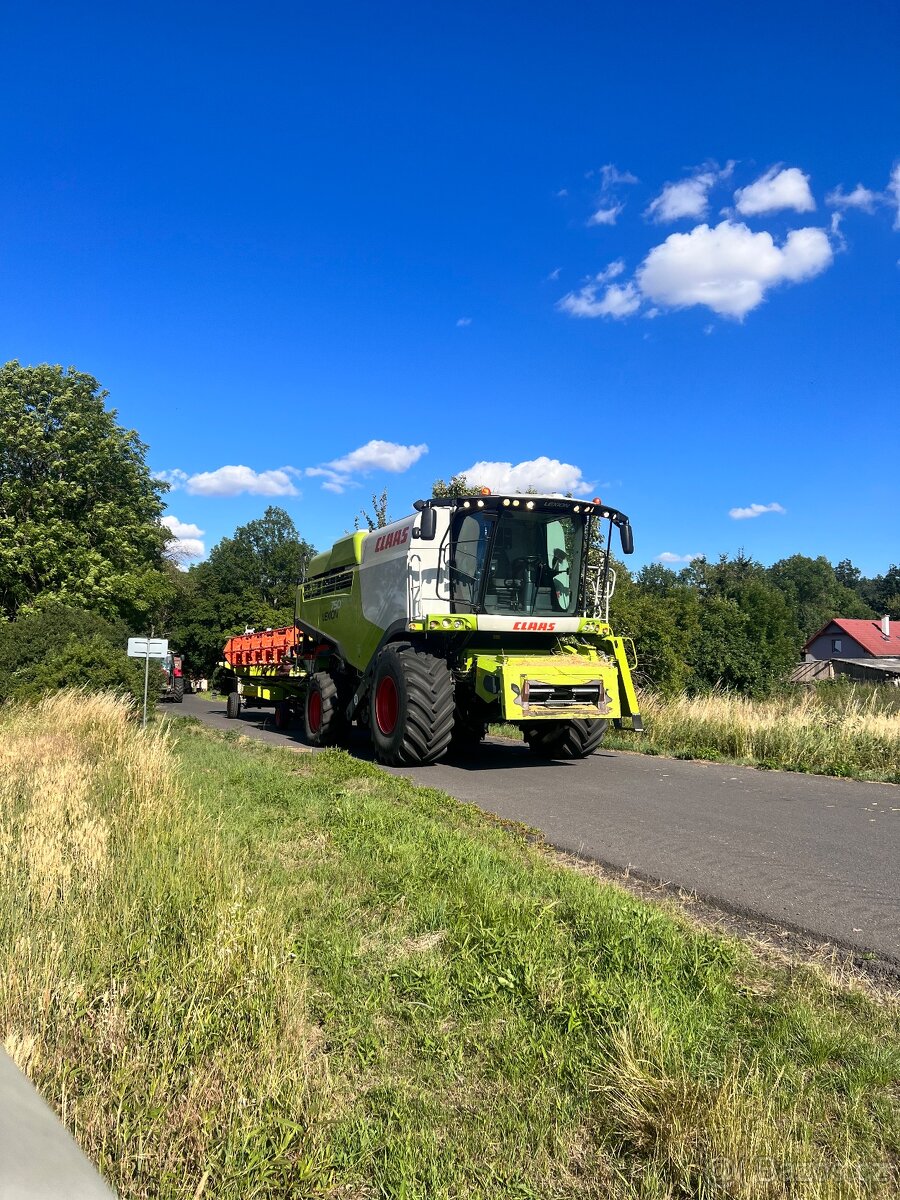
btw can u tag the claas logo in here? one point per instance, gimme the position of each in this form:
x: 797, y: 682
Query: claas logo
x: 535, y: 626
x: 397, y: 538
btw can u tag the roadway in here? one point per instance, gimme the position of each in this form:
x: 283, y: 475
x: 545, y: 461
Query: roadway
x: 806, y: 853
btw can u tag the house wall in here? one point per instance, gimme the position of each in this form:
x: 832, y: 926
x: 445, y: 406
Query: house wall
x: 821, y: 647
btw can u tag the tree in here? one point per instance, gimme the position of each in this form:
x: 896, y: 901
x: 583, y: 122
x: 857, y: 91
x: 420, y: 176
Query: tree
x: 79, y: 509
x: 249, y: 579
x: 456, y: 485
x: 814, y: 593
x: 378, y: 517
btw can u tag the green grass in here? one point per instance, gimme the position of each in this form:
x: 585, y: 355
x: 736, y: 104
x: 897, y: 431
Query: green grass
x: 259, y: 973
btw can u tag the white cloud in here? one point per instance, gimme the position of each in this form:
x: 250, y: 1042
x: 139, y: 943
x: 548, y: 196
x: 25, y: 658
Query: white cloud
x: 605, y: 216
x: 611, y: 175
x: 373, y: 456
x: 463, y: 322
x: 186, y: 540
x: 754, y: 510
x: 547, y: 475
x: 729, y: 268
x: 608, y: 203
x: 618, y: 300
x: 776, y: 189
x: 669, y: 558
x: 562, y: 193
x: 860, y: 197
x: 175, y: 478
x: 234, y: 480
x: 555, y: 273
x: 688, y: 197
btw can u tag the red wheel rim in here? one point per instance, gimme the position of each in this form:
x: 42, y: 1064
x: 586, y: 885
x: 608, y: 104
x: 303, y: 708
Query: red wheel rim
x: 387, y: 705
x: 314, y: 712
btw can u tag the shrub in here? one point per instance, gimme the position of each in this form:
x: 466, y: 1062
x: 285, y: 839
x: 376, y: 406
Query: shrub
x: 58, y: 646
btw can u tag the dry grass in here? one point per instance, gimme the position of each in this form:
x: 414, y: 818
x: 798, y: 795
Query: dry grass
x: 852, y: 734
x: 138, y: 974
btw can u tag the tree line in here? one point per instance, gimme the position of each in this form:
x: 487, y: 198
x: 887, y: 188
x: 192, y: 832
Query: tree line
x: 84, y: 561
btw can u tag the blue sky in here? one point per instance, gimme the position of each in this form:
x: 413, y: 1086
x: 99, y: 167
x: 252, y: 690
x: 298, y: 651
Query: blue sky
x: 292, y: 238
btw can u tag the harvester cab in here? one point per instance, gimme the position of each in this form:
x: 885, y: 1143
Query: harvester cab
x: 473, y: 609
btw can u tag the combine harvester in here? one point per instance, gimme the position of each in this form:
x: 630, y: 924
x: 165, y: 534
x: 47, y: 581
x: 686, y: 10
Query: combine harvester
x: 474, y: 609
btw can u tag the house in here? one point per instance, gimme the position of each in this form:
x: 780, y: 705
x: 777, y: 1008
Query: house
x: 864, y: 650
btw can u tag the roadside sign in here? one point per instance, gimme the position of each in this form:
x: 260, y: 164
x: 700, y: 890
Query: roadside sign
x: 148, y: 647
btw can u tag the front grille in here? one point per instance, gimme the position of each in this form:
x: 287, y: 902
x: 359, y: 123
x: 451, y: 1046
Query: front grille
x: 564, y: 697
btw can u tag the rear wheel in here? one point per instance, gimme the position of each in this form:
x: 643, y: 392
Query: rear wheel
x: 233, y: 705
x: 283, y: 714
x: 324, y: 722
x: 410, y: 706
x: 565, y: 739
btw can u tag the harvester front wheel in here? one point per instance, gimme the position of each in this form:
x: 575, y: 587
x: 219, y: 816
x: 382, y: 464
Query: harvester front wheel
x: 178, y: 690
x: 323, y: 715
x: 565, y: 739
x: 411, y: 706
x: 233, y: 705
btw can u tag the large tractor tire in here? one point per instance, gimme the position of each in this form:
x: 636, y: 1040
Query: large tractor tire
x: 410, y: 706
x: 178, y: 689
x: 233, y: 705
x: 565, y: 739
x: 324, y: 722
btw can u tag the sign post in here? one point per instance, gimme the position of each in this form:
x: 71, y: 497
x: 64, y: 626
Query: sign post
x: 147, y: 648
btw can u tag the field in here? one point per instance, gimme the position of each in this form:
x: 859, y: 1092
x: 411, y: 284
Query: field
x: 246, y: 972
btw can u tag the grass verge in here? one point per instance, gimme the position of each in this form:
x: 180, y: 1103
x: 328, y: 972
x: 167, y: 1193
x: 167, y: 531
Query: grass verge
x: 845, y: 731
x: 244, y: 972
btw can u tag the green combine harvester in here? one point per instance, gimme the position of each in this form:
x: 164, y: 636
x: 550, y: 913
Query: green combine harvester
x: 474, y: 609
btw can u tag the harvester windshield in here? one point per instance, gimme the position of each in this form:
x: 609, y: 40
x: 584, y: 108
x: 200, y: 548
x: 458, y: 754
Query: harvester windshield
x: 516, y: 561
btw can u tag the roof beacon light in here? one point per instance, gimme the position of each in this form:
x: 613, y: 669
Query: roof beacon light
x: 485, y: 491
x: 596, y: 500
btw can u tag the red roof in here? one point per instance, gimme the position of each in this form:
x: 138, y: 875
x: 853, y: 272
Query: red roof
x: 868, y: 634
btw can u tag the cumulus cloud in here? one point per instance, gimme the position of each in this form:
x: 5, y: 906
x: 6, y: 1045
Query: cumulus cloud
x: 186, y: 542
x: 688, y: 197
x: 669, y: 558
x: 754, y: 510
x: 235, y: 480
x: 778, y: 188
x: 463, y: 322
x: 860, y: 197
x: 729, y: 268
x: 546, y: 475
x: 375, y: 455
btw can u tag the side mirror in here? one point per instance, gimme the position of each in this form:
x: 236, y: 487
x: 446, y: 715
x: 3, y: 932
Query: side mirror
x: 428, y: 525
x: 627, y: 536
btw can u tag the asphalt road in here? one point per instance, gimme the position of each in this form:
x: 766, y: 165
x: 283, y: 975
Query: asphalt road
x: 816, y: 855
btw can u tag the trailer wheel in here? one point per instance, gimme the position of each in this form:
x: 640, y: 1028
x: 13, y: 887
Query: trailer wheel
x: 411, y: 706
x: 565, y: 739
x: 283, y: 714
x: 324, y: 723
x: 233, y: 705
